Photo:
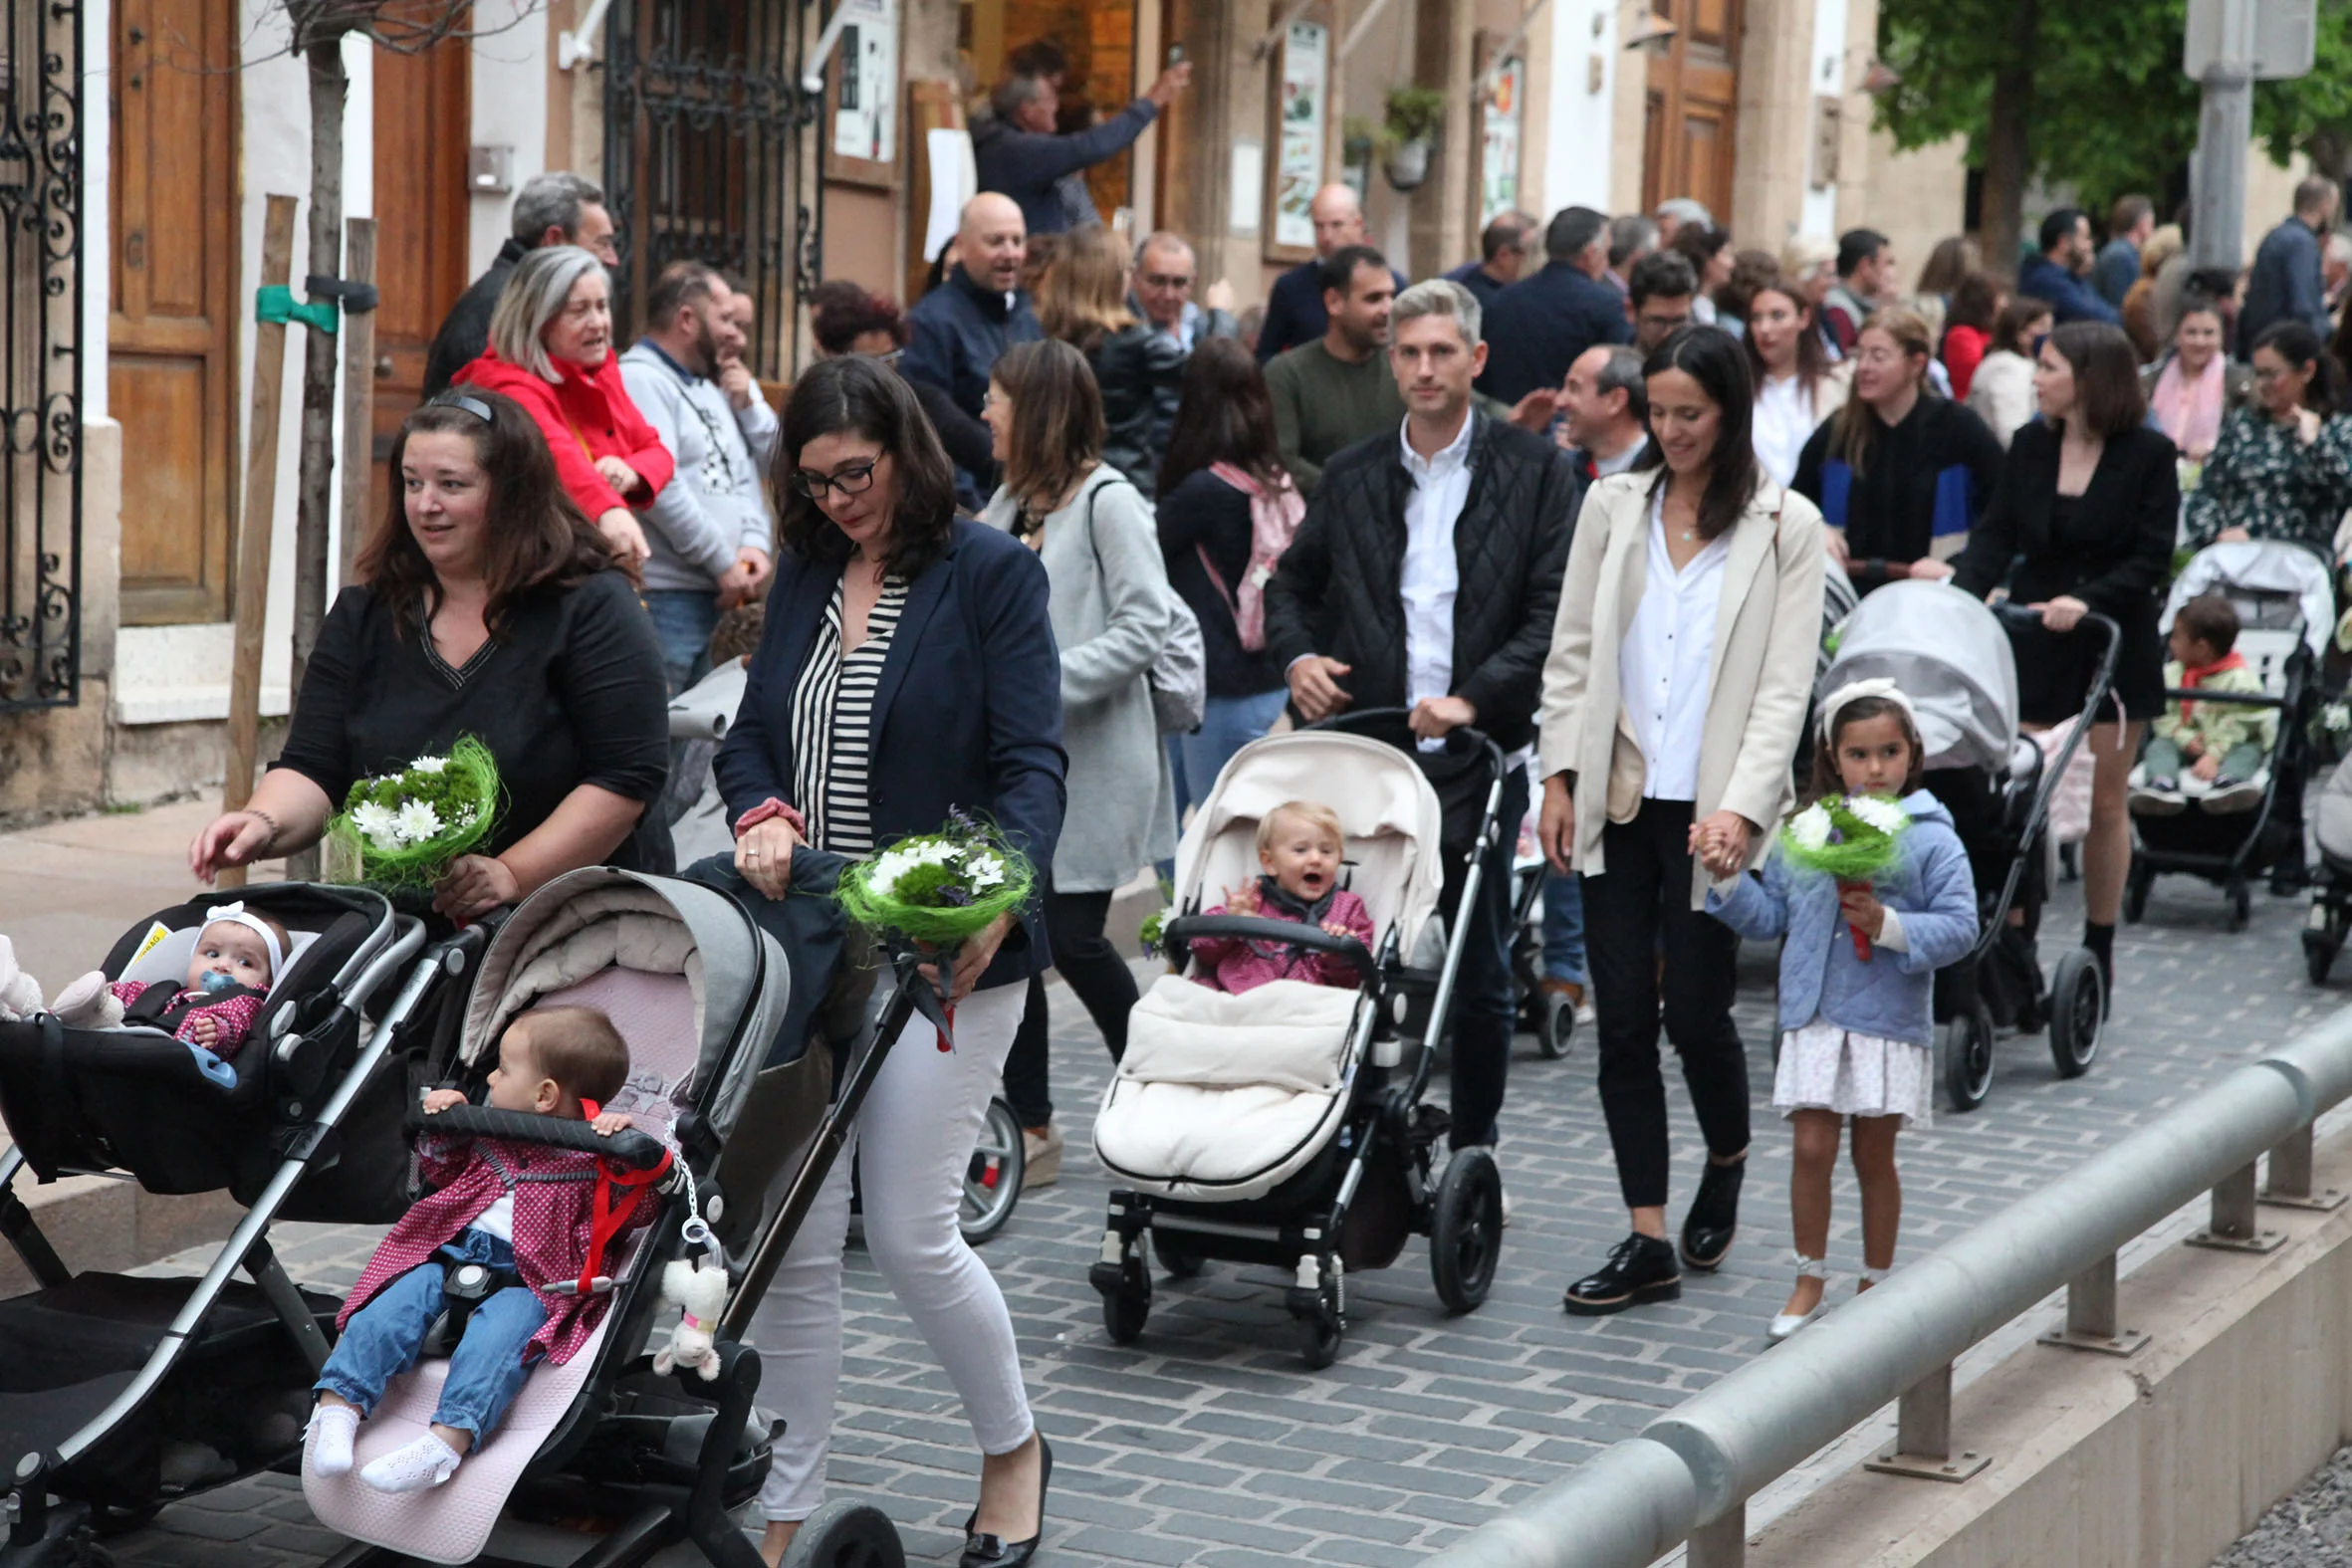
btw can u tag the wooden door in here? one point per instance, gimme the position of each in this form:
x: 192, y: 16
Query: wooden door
x: 1694, y: 92
x: 423, y: 114
x: 172, y: 328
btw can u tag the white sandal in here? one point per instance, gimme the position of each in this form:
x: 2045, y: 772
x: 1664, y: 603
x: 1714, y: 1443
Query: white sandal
x: 1876, y: 1276
x: 1787, y: 1323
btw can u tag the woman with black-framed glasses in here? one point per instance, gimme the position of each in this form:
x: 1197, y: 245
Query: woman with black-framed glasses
x: 908, y: 671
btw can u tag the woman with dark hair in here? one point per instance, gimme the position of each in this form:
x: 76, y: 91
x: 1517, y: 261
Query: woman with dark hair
x: 1796, y: 387
x: 1709, y: 251
x: 1112, y: 611
x: 1899, y: 473
x: 1681, y: 666
x: 1223, y: 470
x: 906, y: 672
x: 2082, y: 521
x: 2001, y: 390
x: 1967, y: 327
x: 2194, y: 386
x: 487, y: 606
x: 1751, y: 271
x: 2282, y: 469
x: 844, y: 318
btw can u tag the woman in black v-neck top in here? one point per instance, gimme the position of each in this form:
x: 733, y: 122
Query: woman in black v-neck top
x: 490, y: 608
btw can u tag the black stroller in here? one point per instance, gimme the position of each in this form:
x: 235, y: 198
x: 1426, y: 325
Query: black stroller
x: 1952, y: 656
x: 107, y: 1373
x: 1285, y: 1126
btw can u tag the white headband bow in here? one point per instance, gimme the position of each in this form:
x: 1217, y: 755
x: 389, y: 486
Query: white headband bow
x: 236, y: 915
x: 1855, y: 691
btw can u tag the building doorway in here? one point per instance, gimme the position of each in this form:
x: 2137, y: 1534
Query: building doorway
x: 1694, y: 93
x: 1098, y: 37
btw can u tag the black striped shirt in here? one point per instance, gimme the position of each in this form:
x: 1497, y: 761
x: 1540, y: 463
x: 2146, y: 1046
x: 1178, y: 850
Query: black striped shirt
x: 832, y: 723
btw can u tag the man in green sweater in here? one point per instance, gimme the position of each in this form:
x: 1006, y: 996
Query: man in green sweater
x: 1328, y: 395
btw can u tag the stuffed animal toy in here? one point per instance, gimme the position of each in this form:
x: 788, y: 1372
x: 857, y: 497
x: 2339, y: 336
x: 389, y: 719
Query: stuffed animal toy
x: 700, y: 1288
x: 90, y: 1003
x: 20, y: 993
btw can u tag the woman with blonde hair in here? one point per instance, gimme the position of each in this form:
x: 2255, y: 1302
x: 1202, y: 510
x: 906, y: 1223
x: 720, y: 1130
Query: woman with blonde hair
x: 1899, y: 473
x: 1083, y: 302
x: 2139, y: 300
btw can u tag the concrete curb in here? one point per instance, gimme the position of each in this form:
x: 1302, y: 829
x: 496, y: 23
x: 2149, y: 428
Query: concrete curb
x: 101, y: 1223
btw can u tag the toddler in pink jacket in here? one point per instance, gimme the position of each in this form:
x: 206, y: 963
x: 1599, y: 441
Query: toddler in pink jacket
x: 1300, y: 846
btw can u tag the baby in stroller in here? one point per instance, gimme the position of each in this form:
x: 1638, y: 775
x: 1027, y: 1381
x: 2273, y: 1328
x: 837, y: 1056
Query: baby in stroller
x: 529, y: 1225
x: 2210, y: 754
x: 1300, y: 846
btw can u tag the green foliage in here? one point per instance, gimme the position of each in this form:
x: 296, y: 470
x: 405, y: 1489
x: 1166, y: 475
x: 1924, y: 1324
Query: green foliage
x: 1414, y: 112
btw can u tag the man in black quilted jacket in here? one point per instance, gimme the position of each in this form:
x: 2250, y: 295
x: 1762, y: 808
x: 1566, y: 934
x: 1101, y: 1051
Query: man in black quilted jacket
x: 1425, y: 577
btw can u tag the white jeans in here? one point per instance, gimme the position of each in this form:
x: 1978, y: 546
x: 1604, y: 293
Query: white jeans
x: 916, y: 1131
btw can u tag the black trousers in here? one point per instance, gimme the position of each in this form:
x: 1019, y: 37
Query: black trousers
x: 1100, y: 976
x: 1637, y: 908
x: 1486, y: 1012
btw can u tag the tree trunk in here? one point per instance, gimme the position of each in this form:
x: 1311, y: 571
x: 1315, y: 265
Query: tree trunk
x: 2008, y: 150
x: 315, y: 487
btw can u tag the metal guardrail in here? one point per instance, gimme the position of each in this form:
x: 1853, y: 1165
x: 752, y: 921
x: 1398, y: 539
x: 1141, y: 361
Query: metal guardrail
x: 1690, y: 1474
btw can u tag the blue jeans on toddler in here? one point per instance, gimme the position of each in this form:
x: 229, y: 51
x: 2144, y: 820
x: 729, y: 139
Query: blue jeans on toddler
x: 486, y: 1370
x: 1563, y: 928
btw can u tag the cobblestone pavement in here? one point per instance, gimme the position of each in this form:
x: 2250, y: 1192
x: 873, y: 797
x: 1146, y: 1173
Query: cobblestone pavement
x: 1208, y: 1444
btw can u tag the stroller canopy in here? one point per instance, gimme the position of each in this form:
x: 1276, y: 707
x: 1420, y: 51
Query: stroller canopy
x: 1949, y: 653
x: 2261, y: 569
x: 1386, y: 808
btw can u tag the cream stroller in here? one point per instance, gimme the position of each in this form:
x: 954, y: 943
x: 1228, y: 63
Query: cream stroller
x: 1285, y: 1126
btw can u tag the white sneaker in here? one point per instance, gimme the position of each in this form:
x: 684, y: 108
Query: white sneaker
x: 419, y: 1467
x: 327, y: 1441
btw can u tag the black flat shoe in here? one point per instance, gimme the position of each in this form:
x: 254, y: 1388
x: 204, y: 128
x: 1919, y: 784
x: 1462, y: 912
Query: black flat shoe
x: 1707, y: 1231
x: 1640, y: 1270
x: 991, y: 1552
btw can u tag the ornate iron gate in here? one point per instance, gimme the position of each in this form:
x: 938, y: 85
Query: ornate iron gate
x: 40, y: 195
x: 706, y: 157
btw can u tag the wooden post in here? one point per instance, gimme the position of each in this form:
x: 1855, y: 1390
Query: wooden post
x: 253, y: 531
x: 358, y: 398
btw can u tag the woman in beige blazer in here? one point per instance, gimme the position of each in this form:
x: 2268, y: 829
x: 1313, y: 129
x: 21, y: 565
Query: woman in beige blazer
x: 1674, y: 699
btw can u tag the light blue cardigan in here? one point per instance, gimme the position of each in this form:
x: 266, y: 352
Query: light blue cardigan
x: 1891, y: 997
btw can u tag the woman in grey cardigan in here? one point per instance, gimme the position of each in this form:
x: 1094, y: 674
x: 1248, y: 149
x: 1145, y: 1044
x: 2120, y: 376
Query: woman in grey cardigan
x: 1111, y: 610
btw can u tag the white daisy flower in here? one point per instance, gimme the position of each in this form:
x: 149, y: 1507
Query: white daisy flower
x: 428, y: 765
x: 1885, y: 816
x: 376, y: 824
x: 416, y: 821
x: 1812, y: 829
x: 984, y: 871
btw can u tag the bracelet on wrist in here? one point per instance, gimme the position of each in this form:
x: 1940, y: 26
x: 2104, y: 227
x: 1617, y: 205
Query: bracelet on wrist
x: 275, y: 831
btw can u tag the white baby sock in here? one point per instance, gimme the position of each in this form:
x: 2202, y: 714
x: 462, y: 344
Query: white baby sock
x: 426, y: 1462
x: 331, y: 1430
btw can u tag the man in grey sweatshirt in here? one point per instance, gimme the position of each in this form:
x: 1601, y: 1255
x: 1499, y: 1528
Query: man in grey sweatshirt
x: 709, y: 528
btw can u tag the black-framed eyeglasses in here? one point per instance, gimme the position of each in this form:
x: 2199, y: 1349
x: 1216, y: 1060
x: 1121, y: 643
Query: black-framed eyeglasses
x: 849, y: 480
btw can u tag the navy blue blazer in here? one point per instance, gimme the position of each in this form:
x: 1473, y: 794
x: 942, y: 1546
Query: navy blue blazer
x: 967, y: 714
x: 1537, y: 328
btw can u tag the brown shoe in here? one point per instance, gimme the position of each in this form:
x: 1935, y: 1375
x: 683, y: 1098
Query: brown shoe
x: 1565, y: 987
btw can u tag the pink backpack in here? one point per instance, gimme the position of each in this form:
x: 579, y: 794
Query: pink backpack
x: 1274, y: 516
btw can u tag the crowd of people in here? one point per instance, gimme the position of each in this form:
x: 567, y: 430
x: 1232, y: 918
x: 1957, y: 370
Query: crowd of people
x: 1587, y: 503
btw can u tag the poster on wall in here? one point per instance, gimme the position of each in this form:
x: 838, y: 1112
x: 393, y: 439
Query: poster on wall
x: 1499, y: 118
x: 865, y: 144
x: 1299, y: 116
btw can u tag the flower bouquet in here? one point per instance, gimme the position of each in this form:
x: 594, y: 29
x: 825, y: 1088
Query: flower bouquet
x: 1852, y: 837
x: 938, y: 889
x: 404, y: 829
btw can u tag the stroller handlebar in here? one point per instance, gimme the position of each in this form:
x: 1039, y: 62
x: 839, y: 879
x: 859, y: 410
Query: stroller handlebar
x: 1372, y: 722
x: 630, y: 1148
x: 1180, y: 931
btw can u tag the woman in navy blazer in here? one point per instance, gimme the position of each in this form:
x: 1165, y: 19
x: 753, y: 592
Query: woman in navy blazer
x: 907, y: 670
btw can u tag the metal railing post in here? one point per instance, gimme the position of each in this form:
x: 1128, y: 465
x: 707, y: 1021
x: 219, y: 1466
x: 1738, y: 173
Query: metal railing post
x: 1923, y: 1434
x: 2235, y: 1225
x: 2288, y: 1181
x: 2093, y: 1315
x: 1722, y: 1543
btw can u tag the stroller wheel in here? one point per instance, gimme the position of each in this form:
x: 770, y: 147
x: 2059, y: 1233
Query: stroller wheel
x: 991, y: 1181
x: 1556, y: 1024
x: 1320, y: 1325
x: 2078, y: 1012
x: 1127, y: 1307
x: 2319, y: 956
x: 2242, y: 906
x: 1466, y: 1230
x: 846, y: 1535
x: 1968, y: 1059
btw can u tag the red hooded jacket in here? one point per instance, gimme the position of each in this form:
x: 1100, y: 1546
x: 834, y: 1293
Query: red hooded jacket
x: 585, y: 416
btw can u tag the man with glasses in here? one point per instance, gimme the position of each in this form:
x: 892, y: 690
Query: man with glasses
x: 708, y: 529
x: 1164, y: 275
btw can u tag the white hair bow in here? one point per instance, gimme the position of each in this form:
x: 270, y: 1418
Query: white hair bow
x: 237, y: 915
x: 1854, y: 691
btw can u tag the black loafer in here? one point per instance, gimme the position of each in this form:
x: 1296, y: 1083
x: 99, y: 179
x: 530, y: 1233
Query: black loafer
x: 1707, y: 1231
x: 993, y: 1551
x: 1640, y: 1270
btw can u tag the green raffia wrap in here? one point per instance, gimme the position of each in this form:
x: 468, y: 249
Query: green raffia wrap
x: 1851, y: 837
x: 404, y: 829
x: 940, y: 888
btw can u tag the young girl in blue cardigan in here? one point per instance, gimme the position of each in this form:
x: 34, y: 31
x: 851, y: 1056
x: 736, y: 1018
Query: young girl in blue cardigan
x: 1858, y: 1032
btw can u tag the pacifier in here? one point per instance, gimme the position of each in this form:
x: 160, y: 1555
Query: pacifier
x: 214, y: 980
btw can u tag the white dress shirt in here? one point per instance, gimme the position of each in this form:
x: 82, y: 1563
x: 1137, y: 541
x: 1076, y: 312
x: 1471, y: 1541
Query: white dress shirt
x: 1664, y: 661
x: 1603, y: 467
x: 1781, y: 425
x: 1432, y: 573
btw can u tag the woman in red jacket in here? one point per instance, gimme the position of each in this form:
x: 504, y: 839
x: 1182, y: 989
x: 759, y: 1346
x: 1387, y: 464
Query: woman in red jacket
x: 550, y: 351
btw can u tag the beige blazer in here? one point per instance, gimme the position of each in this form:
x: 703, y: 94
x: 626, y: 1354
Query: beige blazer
x: 1767, y: 633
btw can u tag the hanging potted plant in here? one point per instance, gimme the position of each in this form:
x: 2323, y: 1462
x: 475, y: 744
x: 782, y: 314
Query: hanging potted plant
x: 1414, y: 116
x: 1359, y: 138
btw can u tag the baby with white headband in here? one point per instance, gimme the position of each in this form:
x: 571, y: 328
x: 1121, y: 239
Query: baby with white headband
x: 237, y: 957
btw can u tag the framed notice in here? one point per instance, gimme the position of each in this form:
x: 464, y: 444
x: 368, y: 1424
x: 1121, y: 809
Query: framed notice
x: 1500, y: 117
x: 861, y: 96
x: 1301, y: 119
